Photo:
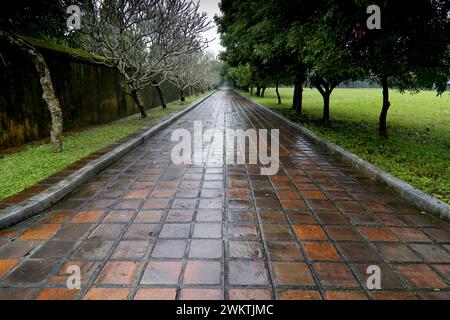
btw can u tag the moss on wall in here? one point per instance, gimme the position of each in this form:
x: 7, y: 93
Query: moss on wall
x: 89, y: 93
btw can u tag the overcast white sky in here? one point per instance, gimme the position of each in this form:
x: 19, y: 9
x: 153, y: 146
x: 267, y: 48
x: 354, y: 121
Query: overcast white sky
x: 211, y: 7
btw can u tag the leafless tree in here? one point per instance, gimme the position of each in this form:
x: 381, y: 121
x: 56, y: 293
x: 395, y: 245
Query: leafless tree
x: 141, y: 37
x: 195, y: 71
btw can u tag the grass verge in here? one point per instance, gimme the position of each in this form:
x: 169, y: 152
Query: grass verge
x: 418, y: 150
x: 27, y: 167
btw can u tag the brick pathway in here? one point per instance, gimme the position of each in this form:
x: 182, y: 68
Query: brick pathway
x: 147, y: 229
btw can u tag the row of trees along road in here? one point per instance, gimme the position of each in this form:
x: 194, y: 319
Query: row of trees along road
x: 147, y: 41
x: 324, y: 43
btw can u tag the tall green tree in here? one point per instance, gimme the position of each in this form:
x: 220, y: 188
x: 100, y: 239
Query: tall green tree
x: 327, y: 54
x: 410, y: 50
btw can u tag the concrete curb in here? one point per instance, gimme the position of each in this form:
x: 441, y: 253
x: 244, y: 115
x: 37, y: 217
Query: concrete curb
x: 410, y: 194
x: 57, y: 192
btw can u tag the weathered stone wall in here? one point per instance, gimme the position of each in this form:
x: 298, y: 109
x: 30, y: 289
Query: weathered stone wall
x: 89, y: 93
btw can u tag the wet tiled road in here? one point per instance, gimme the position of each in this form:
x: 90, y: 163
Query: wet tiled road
x: 148, y: 229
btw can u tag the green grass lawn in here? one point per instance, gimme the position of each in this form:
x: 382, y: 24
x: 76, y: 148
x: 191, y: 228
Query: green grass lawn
x: 418, y: 150
x: 25, y: 168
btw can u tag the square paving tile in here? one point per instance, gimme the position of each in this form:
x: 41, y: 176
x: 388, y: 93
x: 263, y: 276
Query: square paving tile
x: 211, y: 204
x: 301, y: 218
x: 247, y: 273
x: 184, y: 204
x: 209, y: 230
x: 293, y: 205
x: 201, y: 294
x: 120, y: 216
x: 107, y: 231
x: 410, y: 235
x: 241, y: 216
x: 156, y: 294
x: 212, y: 193
x: 15, y: 293
x: 358, y: 252
x: 299, y: 295
x: 439, y: 235
x: 277, y: 232
x: 87, y: 217
x: 268, y: 217
x: 242, y: 231
x: 156, y: 204
x: 307, y: 232
x: 175, y: 230
x: 40, y: 232
x: 211, y: 249
x: 57, y: 294
x: 187, y: 193
x: 421, y: 276
x: 57, y: 217
x: 432, y: 253
x: 202, y: 273
x: 31, y: 272
x: 443, y: 270
x: 345, y: 295
x: 335, y: 275
x: 395, y: 252
x: 344, y: 233
x: 93, y: 250
x: 118, y: 273
x: 107, y: 294
x: 284, y: 251
x: 250, y: 294
x: 209, y: 216
x: 245, y: 249
x: 332, y: 218
x: 54, y: 250
x: 162, y: 273
x: 180, y: 216
x: 292, y: 274
x: 169, y: 249
x: 151, y: 216
x: 321, y: 251
x: 393, y: 295
x: 18, y: 249
x: 142, y: 231
x: 363, y: 219
x: 6, y: 266
x: 130, y: 250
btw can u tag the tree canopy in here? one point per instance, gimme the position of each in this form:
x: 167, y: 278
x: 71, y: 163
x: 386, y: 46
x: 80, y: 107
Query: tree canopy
x: 324, y: 43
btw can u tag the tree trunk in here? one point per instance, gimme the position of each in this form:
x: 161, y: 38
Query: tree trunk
x: 161, y: 97
x: 258, y: 91
x: 326, y: 108
x: 325, y: 90
x: 263, y: 92
x: 48, y: 93
x: 278, y: 93
x: 251, y: 90
x: 137, y: 98
x: 182, y: 98
x: 383, y: 132
x: 298, y: 96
